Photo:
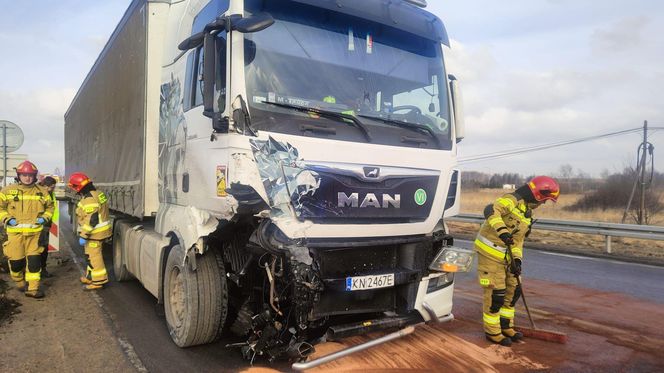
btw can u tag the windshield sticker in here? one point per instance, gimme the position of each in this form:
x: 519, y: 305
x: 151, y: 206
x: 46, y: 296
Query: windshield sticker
x: 369, y: 44
x: 351, y: 41
x: 221, y: 181
x: 258, y: 99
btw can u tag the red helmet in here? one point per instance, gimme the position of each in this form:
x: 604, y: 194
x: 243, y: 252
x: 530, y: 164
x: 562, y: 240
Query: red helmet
x: 544, y: 188
x: 78, y: 180
x: 26, y: 167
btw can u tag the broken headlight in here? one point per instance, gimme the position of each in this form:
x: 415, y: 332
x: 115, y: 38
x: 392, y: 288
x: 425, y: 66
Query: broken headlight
x: 453, y: 259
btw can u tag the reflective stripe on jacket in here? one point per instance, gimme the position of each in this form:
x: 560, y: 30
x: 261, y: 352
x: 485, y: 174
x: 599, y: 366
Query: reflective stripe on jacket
x: 25, y: 204
x: 509, y: 216
x: 494, y: 250
x: 93, y: 216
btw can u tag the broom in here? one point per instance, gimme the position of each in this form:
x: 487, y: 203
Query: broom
x: 533, y: 331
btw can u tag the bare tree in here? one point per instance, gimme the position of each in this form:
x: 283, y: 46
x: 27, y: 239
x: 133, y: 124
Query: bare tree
x: 581, y: 178
x: 566, y: 172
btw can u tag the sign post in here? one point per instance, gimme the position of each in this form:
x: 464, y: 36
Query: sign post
x: 12, y: 139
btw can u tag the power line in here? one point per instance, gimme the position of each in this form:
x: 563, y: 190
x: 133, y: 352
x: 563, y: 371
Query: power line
x: 507, y: 153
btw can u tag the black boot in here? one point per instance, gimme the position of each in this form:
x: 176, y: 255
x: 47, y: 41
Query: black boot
x: 513, y: 334
x: 34, y: 293
x: 499, y: 339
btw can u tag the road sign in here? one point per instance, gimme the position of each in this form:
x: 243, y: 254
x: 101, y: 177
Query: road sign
x: 13, y: 135
x: 12, y: 139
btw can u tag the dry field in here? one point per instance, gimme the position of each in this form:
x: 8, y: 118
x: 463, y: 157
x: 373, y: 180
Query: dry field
x: 474, y: 201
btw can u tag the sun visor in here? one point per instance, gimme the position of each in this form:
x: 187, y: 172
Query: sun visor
x: 392, y: 13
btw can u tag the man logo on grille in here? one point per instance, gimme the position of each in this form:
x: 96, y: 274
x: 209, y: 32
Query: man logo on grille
x: 372, y: 172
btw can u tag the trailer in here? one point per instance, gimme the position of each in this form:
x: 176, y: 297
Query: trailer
x: 277, y: 170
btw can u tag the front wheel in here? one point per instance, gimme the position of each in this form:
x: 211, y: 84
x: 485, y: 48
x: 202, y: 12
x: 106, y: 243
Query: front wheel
x: 195, y: 302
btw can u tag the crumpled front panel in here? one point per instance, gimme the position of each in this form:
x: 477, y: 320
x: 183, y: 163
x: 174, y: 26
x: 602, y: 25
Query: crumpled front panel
x: 284, y: 175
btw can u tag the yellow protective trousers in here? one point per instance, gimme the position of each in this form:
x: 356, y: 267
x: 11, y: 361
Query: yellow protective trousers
x: 96, y: 271
x: 24, y: 256
x: 500, y: 295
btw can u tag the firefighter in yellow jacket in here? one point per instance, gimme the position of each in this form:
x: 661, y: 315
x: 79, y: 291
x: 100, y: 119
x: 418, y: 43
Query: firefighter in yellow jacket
x: 94, y: 226
x: 24, y: 208
x: 507, y: 224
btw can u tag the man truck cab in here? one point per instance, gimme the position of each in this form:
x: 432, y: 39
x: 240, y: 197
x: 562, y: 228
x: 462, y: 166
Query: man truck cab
x: 296, y: 169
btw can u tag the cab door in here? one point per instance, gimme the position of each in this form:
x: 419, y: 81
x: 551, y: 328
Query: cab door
x: 205, y: 159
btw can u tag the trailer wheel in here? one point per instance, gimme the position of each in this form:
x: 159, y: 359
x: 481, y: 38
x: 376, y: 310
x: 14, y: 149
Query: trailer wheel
x: 195, y: 302
x: 119, y: 266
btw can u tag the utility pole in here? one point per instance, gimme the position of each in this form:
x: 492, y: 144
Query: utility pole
x: 640, y: 178
x: 642, y: 206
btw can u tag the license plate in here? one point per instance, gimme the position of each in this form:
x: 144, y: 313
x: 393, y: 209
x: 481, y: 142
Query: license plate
x: 369, y: 282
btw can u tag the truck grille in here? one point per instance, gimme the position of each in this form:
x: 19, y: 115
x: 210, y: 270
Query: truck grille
x: 406, y: 261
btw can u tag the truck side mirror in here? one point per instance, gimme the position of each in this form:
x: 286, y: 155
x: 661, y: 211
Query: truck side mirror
x: 197, y: 39
x: 210, y: 55
x: 192, y: 42
x: 255, y: 23
x: 457, y: 106
x: 209, y: 62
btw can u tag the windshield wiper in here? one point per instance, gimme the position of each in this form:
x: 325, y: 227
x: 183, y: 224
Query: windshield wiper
x: 411, y: 126
x: 326, y: 114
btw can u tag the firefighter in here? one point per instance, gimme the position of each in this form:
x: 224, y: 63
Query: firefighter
x: 48, y: 184
x: 24, y: 209
x: 508, y: 222
x: 94, y: 227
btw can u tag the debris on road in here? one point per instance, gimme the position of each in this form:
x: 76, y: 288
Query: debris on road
x: 72, y: 333
x: 8, y: 306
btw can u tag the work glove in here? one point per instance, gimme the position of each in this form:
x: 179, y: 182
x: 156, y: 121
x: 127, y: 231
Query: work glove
x: 530, y: 227
x: 41, y: 221
x: 82, y: 241
x: 11, y: 222
x: 516, y: 267
x: 507, y: 238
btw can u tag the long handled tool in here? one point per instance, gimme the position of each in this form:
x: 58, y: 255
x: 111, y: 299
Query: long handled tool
x: 533, y: 331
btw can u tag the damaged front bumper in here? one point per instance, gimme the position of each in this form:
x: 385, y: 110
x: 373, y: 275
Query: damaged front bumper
x: 322, y: 270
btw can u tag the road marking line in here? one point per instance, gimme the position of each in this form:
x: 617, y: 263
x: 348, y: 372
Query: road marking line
x: 599, y: 259
x: 577, y: 256
x: 125, y: 345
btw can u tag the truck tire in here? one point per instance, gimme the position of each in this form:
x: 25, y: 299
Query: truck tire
x: 119, y: 266
x: 195, y: 301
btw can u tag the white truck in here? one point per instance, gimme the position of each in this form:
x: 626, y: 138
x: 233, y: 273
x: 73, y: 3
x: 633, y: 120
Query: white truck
x: 279, y: 170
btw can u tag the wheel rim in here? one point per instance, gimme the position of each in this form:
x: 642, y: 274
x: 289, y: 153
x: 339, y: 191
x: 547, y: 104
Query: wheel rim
x: 177, y: 298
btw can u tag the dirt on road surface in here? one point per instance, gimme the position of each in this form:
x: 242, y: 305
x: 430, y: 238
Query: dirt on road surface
x: 608, y: 332
x: 65, y: 331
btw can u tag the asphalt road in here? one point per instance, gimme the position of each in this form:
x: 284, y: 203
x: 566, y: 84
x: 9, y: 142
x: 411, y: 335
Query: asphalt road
x: 641, y: 281
x: 140, y: 320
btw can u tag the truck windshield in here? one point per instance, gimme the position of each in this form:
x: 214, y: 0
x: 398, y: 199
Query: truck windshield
x: 393, y: 81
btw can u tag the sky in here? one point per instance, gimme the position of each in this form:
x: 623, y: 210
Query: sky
x: 532, y: 72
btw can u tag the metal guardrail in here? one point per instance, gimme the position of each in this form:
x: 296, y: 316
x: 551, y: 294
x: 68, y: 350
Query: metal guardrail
x: 608, y: 230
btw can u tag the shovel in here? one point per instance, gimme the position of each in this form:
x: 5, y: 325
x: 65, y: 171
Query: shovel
x: 533, y: 331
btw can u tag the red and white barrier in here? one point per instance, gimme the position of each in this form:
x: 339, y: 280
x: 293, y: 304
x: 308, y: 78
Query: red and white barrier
x: 53, y: 233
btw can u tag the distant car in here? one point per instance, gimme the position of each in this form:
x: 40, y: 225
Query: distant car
x: 59, y: 191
